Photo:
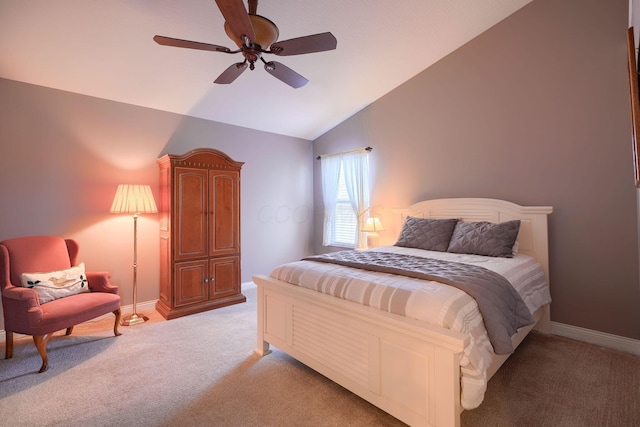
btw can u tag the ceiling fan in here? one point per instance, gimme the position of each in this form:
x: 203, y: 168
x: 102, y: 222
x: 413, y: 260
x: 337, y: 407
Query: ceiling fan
x: 256, y: 35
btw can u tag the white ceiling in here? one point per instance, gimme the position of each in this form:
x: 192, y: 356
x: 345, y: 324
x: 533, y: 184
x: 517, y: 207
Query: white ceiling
x: 104, y: 48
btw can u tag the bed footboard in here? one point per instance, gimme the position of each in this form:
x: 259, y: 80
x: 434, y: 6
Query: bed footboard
x: 407, y: 369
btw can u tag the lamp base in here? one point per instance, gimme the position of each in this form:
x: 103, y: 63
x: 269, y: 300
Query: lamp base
x: 372, y: 239
x: 133, y: 319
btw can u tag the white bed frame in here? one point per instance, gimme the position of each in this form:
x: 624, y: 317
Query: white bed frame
x: 408, y: 369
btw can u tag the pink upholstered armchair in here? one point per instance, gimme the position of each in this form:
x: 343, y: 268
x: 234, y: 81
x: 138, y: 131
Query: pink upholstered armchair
x: 23, y: 311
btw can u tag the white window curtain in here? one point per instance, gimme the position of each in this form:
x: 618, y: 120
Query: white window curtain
x: 354, y: 166
x: 356, y: 174
x: 330, y: 166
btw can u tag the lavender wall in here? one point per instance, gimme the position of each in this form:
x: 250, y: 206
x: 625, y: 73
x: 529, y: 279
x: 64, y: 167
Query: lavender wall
x: 535, y: 111
x: 63, y: 155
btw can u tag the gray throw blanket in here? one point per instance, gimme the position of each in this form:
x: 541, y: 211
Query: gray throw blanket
x: 502, y: 309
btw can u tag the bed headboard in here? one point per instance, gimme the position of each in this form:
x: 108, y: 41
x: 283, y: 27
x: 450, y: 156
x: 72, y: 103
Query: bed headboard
x: 533, y: 238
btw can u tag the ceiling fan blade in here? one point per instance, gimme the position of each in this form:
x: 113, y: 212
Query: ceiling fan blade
x: 168, y: 41
x: 307, y: 44
x: 237, y: 19
x: 231, y: 73
x: 285, y: 74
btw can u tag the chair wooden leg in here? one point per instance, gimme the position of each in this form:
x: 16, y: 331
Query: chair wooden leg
x: 115, y: 325
x: 41, y: 344
x: 8, y: 344
x: 69, y: 330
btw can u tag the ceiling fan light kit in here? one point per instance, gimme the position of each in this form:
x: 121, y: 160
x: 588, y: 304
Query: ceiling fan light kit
x: 265, y: 32
x: 255, y: 35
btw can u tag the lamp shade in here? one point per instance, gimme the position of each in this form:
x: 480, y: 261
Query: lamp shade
x: 372, y: 225
x: 133, y: 199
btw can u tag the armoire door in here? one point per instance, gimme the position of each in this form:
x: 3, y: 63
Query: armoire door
x: 191, y: 213
x: 224, y: 203
x: 191, y: 282
x: 224, y: 278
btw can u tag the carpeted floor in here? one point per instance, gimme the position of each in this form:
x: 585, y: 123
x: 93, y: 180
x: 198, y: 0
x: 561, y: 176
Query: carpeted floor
x: 555, y: 381
x: 201, y: 370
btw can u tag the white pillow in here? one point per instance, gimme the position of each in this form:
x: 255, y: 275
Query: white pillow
x: 57, y: 284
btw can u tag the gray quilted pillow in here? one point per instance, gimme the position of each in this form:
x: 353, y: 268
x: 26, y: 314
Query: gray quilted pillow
x: 426, y: 233
x: 485, y: 238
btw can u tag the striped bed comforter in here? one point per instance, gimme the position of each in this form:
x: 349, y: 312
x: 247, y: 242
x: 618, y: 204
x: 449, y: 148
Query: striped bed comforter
x: 429, y: 301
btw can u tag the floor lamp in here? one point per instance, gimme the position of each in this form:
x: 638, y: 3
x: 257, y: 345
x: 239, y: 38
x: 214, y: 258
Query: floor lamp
x: 136, y: 200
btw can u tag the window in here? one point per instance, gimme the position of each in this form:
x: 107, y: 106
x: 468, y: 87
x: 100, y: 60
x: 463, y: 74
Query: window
x: 345, y: 188
x: 344, y: 223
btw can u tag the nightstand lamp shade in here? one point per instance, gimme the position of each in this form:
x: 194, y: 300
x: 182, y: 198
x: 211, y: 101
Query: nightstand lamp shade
x: 373, y: 224
x: 371, y: 227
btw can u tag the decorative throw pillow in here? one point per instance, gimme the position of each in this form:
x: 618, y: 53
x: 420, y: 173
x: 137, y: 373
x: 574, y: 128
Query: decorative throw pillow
x: 426, y: 233
x: 485, y: 238
x: 57, y: 284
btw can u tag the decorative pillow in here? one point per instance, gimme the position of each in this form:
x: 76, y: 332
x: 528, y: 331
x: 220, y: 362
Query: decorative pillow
x: 426, y: 233
x: 57, y: 284
x: 485, y: 238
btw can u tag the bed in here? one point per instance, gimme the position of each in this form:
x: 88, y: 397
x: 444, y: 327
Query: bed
x: 407, y: 367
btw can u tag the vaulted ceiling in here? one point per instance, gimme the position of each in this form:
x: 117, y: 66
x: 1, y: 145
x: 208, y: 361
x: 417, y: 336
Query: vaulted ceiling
x: 105, y: 49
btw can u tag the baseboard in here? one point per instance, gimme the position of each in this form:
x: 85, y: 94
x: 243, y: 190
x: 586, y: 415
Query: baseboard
x: 141, y: 307
x: 616, y: 342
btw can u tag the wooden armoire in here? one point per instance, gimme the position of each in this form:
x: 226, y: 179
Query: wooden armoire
x: 199, y: 232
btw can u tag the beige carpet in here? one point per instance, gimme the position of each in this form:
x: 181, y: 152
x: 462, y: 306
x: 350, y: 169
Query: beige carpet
x: 200, y: 370
x: 555, y: 381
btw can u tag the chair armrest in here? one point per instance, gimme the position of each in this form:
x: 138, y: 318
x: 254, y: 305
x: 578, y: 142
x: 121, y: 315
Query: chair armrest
x: 22, y: 295
x: 21, y: 306
x: 99, y: 282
